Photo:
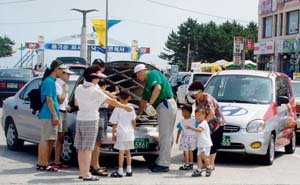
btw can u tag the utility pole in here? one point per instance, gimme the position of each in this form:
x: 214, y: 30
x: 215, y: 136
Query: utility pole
x: 188, y: 57
x: 106, y: 31
x: 83, y: 47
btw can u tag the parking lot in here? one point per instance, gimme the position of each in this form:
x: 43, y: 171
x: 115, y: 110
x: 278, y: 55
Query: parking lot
x: 18, y: 167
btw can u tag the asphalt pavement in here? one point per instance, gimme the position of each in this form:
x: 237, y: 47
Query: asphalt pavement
x: 18, y: 167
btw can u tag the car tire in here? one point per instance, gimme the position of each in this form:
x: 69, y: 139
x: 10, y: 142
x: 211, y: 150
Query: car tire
x: 68, y: 152
x: 291, y: 147
x: 150, y: 158
x: 12, y: 139
x: 269, y: 157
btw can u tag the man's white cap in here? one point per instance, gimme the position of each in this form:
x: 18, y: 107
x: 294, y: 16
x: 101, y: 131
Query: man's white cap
x: 139, y: 67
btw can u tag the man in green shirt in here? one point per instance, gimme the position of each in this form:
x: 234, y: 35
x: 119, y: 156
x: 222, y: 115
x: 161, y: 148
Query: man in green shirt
x: 158, y: 93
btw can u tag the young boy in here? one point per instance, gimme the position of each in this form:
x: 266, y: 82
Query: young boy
x: 188, y: 138
x: 204, y: 142
x: 123, y: 133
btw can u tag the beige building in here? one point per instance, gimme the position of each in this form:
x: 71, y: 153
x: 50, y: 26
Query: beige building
x: 278, y: 46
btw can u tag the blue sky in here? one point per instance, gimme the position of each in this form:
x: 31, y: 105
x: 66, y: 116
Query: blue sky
x: 148, y: 21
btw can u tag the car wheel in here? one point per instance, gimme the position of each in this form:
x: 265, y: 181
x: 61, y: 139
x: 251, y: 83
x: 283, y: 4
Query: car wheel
x: 269, y: 157
x: 291, y: 147
x: 12, y: 140
x: 68, y: 152
x: 150, y: 158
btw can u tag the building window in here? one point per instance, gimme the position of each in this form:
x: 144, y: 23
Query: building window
x: 292, y: 22
x: 281, y: 23
x: 267, y: 21
x: 276, y: 22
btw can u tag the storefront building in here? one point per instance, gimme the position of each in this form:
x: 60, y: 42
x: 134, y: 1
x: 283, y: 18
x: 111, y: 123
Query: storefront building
x: 278, y: 46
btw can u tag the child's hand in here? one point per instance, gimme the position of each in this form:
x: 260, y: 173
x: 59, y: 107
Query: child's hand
x: 187, y: 126
x: 114, y: 138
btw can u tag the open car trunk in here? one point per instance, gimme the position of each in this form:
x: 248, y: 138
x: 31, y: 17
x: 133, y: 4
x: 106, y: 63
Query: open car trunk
x: 120, y: 73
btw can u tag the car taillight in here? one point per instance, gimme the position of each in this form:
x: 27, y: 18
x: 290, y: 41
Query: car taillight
x: 2, y: 85
x: 298, y: 108
x: 20, y: 85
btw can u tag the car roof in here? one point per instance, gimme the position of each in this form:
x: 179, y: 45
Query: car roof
x: 251, y: 73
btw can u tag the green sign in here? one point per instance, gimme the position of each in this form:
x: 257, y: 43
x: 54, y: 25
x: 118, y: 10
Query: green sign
x: 291, y: 46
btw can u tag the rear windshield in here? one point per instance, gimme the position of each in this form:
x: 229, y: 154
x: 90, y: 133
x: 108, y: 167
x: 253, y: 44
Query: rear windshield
x: 203, y: 78
x: 16, y: 73
x: 296, y: 86
x: 240, y: 89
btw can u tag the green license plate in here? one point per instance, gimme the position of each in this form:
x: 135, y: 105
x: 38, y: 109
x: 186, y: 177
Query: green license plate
x: 12, y: 85
x: 141, y: 143
x: 226, y: 141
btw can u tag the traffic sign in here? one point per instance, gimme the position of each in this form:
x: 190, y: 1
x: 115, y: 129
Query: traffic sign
x: 32, y: 45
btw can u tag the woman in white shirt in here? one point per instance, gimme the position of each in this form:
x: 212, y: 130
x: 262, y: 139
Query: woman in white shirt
x: 88, y: 97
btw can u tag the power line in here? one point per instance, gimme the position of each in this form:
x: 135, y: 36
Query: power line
x: 16, y: 2
x: 196, y: 12
x: 77, y: 19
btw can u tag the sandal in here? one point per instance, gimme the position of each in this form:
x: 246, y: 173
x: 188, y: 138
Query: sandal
x: 128, y: 174
x: 60, y: 166
x: 196, y: 173
x: 92, y: 178
x: 184, y: 167
x: 116, y: 174
x: 208, y: 172
x: 48, y: 168
x: 98, y: 172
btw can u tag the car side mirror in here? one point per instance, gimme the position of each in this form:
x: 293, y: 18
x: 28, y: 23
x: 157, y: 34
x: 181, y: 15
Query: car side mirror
x: 282, y: 100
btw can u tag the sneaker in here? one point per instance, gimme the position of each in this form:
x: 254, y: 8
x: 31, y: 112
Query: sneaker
x: 196, y: 173
x: 207, y: 172
x: 184, y: 167
x: 191, y: 166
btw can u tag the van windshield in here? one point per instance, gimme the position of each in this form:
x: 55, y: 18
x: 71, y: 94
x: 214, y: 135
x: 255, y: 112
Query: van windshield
x: 240, y: 89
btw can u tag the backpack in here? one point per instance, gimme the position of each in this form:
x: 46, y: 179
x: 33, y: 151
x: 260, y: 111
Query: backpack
x: 35, y: 100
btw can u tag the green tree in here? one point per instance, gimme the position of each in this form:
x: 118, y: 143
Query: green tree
x: 6, y: 47
x: 208, y: 42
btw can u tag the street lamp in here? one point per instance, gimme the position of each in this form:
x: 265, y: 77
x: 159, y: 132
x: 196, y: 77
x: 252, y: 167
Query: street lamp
x: 83, y: 47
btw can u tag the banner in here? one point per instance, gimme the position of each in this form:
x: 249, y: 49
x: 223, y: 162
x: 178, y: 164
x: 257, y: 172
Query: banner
x: 99, y: 26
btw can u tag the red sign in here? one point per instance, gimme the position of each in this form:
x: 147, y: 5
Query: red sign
x: 32, y: 45
x: 249, y: 44
x: 144, y: 50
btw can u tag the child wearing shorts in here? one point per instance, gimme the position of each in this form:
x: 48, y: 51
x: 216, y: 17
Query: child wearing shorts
x: 187, y: 137
x: 123, y: 133
x: 204, y: 142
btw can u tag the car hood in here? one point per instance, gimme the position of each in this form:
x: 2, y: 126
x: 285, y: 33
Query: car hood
x: 120, y: 73
x: 240, y: 114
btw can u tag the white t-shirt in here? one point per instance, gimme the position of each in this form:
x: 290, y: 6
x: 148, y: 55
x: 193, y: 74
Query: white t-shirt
x: 181, y: 126
x: 123, y: 119
x: 203, y: 138
x: 59, y: 89
x: 89, y: 100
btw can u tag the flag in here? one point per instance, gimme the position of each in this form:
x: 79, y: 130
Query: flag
x: 99, y: 26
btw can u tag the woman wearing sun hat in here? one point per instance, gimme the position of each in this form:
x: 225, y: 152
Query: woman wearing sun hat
x: 89, y: 97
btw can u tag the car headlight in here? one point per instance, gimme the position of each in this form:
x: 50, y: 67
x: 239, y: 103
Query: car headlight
x: 256, y: 126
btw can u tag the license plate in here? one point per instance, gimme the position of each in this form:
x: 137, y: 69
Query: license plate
x: 12, y: 85
x: 141, y: 143
x: 226, y: 141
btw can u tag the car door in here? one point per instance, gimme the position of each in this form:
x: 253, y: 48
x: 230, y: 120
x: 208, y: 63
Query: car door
x: 182, y: 89
x: 29, y: 121
x: 282, y: 89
